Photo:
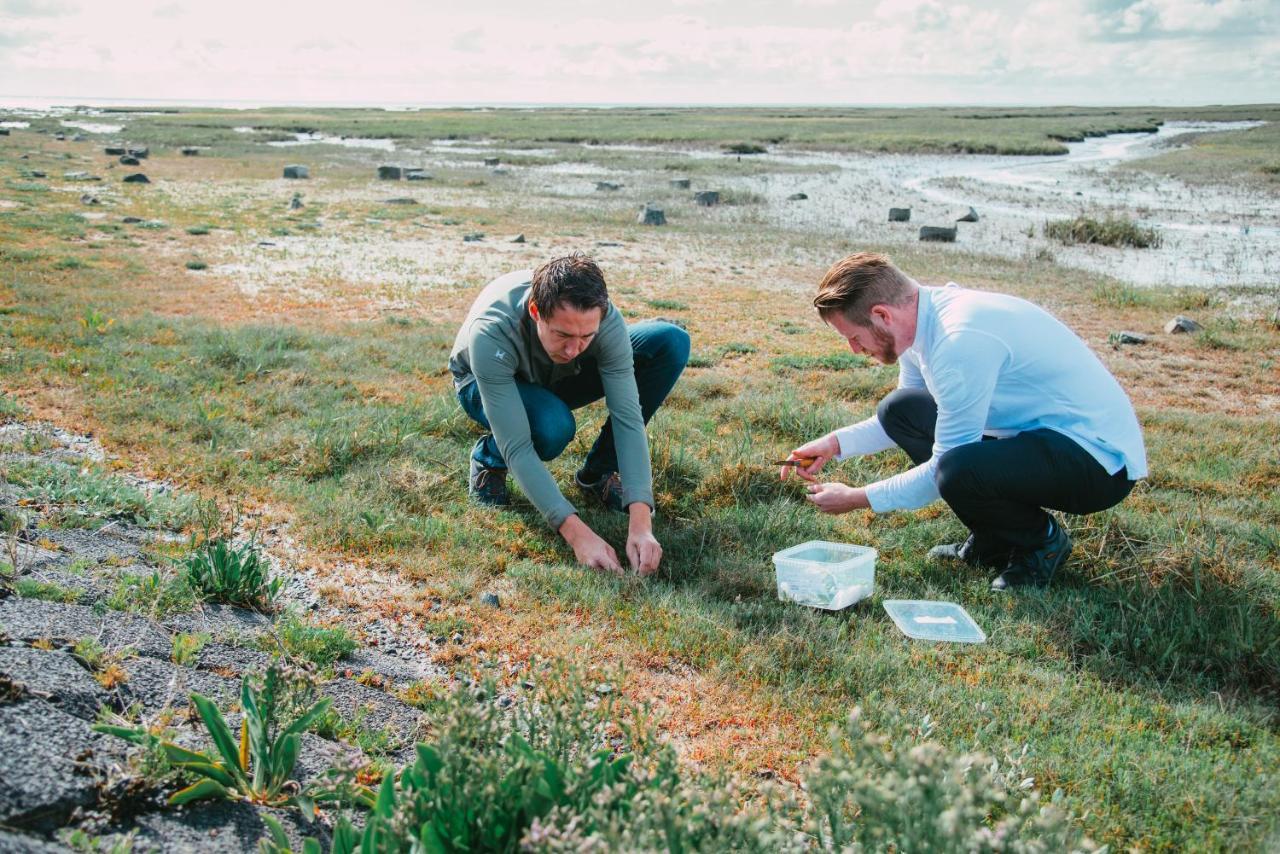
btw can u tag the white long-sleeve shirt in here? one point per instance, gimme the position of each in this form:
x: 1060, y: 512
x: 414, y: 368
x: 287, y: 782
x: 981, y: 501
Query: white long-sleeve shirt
x: 999, y: 365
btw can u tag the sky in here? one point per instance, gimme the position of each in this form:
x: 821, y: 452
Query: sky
x: 401, y: 52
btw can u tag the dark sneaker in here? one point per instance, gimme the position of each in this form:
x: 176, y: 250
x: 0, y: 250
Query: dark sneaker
x: 972, y: 553
x: 1035, y: 567
x: 488, y: 486
x: 607, y: 489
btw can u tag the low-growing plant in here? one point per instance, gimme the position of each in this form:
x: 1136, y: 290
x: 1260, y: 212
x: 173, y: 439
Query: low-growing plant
x: 316, y: 644
x: 155, y: 595
x: 1111, y: 231
x: 187, y: 646
x: 667, y: 304
x: 257, y: 768
x: 196, y: 264
x: 198, y: 230
x: 106, y: 666
x: 10, y: 409
x: 95, y: 321
x: 222, y: 571
x: 49, y: 591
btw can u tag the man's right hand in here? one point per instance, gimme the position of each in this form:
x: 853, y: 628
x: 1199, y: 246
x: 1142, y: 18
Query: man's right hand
x: 819, y: 451
x: 588, y: 548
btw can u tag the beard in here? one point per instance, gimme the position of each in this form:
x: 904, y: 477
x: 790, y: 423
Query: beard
x: 884, y: 352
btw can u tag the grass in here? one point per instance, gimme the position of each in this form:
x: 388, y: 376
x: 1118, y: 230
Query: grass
x: 1110, y: 231
x: 50, y: 592
x: 322, y: 647
x: 1144, y: 683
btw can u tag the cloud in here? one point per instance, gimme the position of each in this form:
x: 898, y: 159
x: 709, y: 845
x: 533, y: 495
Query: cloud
x: 36, y: 8
x: 469, y: 42
x: 1129, y: 20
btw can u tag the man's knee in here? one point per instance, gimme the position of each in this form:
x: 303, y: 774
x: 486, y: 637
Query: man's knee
x: 958, y: 473
x: 551, y: 433
x: 904, y: 406
x: 663, y: 342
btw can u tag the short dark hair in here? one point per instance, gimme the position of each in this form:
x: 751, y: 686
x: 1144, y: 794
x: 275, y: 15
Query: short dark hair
x: 856, y: 283
x: 574, y: 279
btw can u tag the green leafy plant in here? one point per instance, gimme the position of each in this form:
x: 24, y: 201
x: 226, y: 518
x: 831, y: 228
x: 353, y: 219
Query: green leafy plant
x: 259, y: 766
x: 320, y: 646
x: 221, y: 571
x: 95, y: 321
x: 155, y: 595
x: 187, y: 646
x: 46, y: 590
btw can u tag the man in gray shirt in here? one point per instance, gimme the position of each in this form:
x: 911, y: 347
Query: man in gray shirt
x: 537, y: 345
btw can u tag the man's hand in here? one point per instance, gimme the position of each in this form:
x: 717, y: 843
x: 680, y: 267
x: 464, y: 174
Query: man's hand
x: 837, y: 498
x: 644, y: 552
x: 588, y: 548
x: 819, y: 450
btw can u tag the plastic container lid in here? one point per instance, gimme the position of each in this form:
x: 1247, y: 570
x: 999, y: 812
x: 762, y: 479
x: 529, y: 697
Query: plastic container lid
x: 935, y: 621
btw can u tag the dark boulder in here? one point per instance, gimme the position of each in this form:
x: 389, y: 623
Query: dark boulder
x: 295, y: 204
x: 937, y: 234
x: 899, y: 214
x: 797, y: 197
x: 607, y: 186
x: 129, y: 160
x: 4, y: 131
x: 297, y: 172
x: 519, y: 238
x: 707, y: 198
x: 390, y: 173
x: 416, y: 175
x: 680, y: 183
x: 473, y: 238
x: 114, y: 150
x: 137, y: 178
x: 492, y: 161
x: 971, y: 216
x: 400, y: 200
x: 650, y: 215
x: 140, y: 153
x: 190, y: 151
x: 1181, y: 324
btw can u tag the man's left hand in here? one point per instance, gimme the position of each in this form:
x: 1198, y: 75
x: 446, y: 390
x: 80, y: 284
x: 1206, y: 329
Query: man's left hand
x: 837, y: 498
x: 644, y: 552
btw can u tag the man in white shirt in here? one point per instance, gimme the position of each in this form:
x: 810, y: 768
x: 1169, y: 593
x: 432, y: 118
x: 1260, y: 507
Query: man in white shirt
x: 1002, y: 408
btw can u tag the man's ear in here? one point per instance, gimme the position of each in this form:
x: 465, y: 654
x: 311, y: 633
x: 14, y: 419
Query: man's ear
x: 882, y: 313
x: 533, y: 311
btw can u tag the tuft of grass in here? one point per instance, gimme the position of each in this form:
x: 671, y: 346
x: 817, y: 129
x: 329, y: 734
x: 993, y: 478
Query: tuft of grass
x: 222, y: 571
x: 198, y: 230
x: 86, y: 497
x: 1111, y: 231
x: 47, y: 590
x: 826, y: 362
x: 154, y: 595
x: 667, y: 304
x: 197, y: 265
x: 318, y: 645
x: 187, y: 646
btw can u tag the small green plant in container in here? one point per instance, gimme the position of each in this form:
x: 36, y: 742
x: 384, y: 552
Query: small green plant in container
x: 221, y: 571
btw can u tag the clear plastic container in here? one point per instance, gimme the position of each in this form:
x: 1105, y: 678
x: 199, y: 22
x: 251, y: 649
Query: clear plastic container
x: 936, y: 621
x: 825, y: 575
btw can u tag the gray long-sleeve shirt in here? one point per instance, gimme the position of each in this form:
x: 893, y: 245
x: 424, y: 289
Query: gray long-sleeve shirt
x: 498, y: 346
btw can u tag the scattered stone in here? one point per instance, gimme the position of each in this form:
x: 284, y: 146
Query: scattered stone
x: 296, y: 171
x: 607, y: 186
x: 140, y: 153
x: 54, y: 677
x: 680, y: 183
x: 1129, y: 338
x: 80, y: 176
x: 79, y: 137
x: 1182, y: 324
x: 129, y: 160
x: 400, y: 200
x: 29, y: 620
x: 937, y: 234
x: 492, y: 161
x: 381, y: 709
x: 604, y: 688
x: 502, y: 170
x: 220, y: 827
x: 650, y: 215
x: 797, y: 197
x: 519, y: 238
x: 295, y: 204
x: 607, y: 243
x: 87, y: 199
x: 971, y: 216
x: 416, y: 175
x: 156, y: 685
x: 36, y: 173
x: 131, y: 220
x: 4, y: 131
x: 190, y: 151
x: 491, y: 599
x: 136, y: 178
x: 114, y: 150
x: 473, y: 238
x: 899, y: 214
x: 390, y: 173
x: 707, y: 198
x: 60, y: 137
x: 265, y: 243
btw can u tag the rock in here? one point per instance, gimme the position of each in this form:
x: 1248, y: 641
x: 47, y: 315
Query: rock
x: 140, y: 153
x: 156, y: 685
x: 607, y: 186
x: 1182, y: 324
x: 502, y: 170
x: 80, y: 176
x: 492, y: 161
x: 219, y: 621
x: 60, y: 137
x: 797, y: 197
x: 608, y: 243
x: 55, y: 677
x: 899, y: 214
x: 971, y: 216
x: 28, y: 620
x: 296, y: 171
x: 114, y: 150
x: 707, y: 198
x: 473, y: 238
x: 190, y: 151
x: 17, y: 843
x: 1129, y: 338
x: 389, y: 173
x: 128, y: 160
x: 79, y: 137
x: 219, y: 827
x: 650, y: 215
x: 131, y: 220
x: 231, y: 661
x: 680, y: 183
x: 4, y: 131
x: 519, y: 238
x: 87, y: 199
x: 416, y: 175
x: 937, y: 234
x: 136, y: 178
x: 36, y: 173
x: 295, y: 204
x: 401, y: 200
x: 51, y: 764
x: 491, y: 599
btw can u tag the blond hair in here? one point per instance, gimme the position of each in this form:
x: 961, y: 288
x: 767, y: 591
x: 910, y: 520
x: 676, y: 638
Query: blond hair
x: 856, y: 283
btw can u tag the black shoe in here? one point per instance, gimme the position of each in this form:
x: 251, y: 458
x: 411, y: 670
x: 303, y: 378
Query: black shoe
x: 607, y: 488
x: 972, y: 553
x: 488, y: 486
x: 1035, y: 567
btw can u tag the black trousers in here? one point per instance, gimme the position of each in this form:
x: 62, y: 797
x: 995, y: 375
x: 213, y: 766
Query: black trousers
x: 999, y: 488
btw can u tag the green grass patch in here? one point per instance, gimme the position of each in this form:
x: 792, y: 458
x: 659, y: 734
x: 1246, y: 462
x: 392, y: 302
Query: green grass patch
x: 318, y: 645
x: 89, y: 497
x: 30, y: 588
x: 825, y: 362
x: 1111, y: 231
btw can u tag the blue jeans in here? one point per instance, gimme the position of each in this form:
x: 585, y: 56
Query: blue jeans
x: 660, y: 350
